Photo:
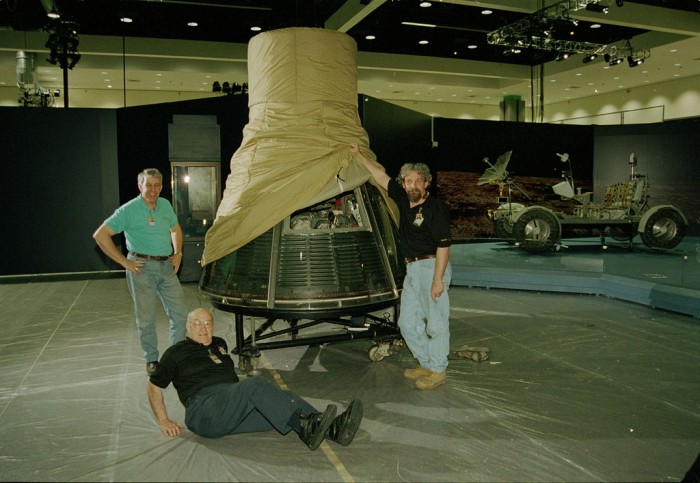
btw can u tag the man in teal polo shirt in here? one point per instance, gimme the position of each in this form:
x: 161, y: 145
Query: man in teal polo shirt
x: 154, y: 244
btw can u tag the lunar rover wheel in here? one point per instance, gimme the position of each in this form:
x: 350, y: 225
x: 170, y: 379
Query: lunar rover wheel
x: 663, y: 229
x: 537, y: 230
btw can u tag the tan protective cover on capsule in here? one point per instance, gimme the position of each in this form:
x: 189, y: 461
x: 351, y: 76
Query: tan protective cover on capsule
x: 302, y: 117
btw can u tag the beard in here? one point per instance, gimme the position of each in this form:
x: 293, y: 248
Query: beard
x: 414, y: 196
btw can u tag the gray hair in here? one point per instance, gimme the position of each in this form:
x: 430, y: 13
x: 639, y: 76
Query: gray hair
x: 149, y: 173
x: 420, y: 168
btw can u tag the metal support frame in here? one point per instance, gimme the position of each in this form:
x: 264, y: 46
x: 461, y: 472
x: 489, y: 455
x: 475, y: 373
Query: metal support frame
x: 358, y: 327
x: 531, y: 31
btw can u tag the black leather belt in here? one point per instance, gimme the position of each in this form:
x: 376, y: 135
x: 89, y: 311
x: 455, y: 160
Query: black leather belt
x: 422, y: 257
x: 149, y: 257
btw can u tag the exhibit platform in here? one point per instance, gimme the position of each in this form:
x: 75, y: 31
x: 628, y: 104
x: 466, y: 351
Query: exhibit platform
x: 664, y: 279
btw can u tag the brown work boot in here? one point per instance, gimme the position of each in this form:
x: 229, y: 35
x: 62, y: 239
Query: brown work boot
x: 432, y: 380
x: 416, y: 373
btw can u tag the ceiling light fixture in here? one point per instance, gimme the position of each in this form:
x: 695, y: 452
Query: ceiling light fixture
x: 53, y: 14
x: 537, y: 29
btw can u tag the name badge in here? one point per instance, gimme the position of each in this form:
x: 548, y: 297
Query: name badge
x: 418, y: 221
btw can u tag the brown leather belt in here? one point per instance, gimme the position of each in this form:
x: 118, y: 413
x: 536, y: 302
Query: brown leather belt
x: 149, y: 257
x: 422, y: 257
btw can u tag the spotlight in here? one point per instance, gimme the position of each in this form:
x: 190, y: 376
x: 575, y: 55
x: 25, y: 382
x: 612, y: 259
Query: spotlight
x: 226, y: 88
x: 216, y: 87
x: 615, y: 61
x: 562, y: 56
x: 590, y: 58
x: 53, y: 14
x: 596, y: 7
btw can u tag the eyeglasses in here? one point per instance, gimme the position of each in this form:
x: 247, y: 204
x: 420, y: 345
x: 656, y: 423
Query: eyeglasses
x: 206, y: 323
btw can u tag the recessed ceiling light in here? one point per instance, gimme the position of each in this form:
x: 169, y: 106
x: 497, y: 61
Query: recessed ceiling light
x: 595, y: 26
x: 159, y: 75
x: 256, y: 29
x: 673, y: 50
x: 423, y: 42
x: 472, y: 46
x: 370, y: 37
x: 486, y: 12
x: 126, y: 19
x: 192, y: 24
x: 425, y: 4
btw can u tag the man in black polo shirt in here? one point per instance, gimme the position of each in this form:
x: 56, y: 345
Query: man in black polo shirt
x: 424, y: 239
x: 217, y: 404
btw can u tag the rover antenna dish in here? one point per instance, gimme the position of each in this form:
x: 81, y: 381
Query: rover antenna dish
x: 497, y: 171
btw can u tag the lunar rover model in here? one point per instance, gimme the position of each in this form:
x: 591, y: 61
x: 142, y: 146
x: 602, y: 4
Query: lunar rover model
x: 624, y: 213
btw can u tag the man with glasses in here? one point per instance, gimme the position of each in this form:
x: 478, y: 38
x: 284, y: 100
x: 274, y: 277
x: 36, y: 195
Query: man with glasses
x: 218, y: 404
x: 154, y: 244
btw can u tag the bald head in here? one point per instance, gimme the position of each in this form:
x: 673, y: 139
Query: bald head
x: 200, y: 326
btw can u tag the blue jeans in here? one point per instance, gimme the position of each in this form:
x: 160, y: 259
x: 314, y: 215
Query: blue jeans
x: 156, y: 280
x: 252, y: 405
x: 424, y: 324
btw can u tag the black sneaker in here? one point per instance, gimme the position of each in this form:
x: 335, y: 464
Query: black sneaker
x: 314, y: 426
x: 151, y: 368
x: 343, y: 428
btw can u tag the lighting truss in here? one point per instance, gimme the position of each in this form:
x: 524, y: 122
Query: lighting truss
x: 535, y: 30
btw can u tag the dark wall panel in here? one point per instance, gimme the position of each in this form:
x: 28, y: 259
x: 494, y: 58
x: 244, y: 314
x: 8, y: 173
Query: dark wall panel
x: 397, y: 135
x: 60, y: 176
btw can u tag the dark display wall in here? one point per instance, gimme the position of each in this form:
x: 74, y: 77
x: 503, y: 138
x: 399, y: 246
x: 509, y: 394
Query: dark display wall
x: 68, y: 169
x: 60, y: 178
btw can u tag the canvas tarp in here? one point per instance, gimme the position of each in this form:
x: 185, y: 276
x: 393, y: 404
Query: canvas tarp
x: 302, y: 117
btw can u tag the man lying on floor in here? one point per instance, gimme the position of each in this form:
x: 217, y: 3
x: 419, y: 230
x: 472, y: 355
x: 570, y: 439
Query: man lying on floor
x: 217, y: 404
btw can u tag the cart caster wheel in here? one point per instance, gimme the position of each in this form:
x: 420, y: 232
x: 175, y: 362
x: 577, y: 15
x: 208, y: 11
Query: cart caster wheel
x: 244, y: 364
x: 378, y: 352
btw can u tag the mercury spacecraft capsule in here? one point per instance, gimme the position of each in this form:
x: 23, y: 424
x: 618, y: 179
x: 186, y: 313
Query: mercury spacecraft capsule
x: 300, y: 234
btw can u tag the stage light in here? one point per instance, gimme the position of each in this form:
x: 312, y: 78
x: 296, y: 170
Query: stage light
x: 226, y: 88
x: 590, y: 58
x: 216, y: 87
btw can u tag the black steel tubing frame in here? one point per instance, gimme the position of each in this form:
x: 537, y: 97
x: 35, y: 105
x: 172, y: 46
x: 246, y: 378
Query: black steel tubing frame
x: 373, y: 327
